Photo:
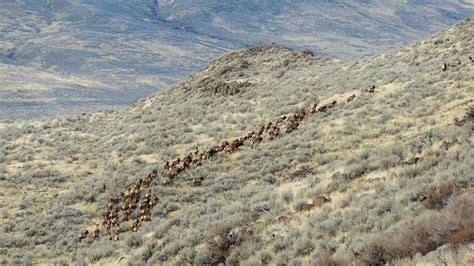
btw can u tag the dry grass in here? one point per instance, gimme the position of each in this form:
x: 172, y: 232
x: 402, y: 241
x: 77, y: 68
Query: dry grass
x: 327, y: 260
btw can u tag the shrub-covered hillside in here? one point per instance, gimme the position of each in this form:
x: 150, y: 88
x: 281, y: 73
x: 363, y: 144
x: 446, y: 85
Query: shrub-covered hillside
x: 385, y: 177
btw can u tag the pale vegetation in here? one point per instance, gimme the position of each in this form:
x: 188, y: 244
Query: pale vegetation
x: 396, y: 193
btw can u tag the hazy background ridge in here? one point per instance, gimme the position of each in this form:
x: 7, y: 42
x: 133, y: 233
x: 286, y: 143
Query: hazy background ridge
x: 61, y: 57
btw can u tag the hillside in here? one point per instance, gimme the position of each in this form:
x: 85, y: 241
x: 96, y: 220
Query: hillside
x: 69, y: 57
x: 324, y: 26
x: 386, y: 177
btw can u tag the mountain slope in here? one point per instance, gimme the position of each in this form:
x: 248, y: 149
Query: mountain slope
x: 108, y: 54
x: 325, y: 26
x: 121, y: 54
x: 58, y: 174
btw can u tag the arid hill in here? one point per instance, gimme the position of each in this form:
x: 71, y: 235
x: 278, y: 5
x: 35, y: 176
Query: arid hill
x: 383, y: 177
x: 67, y: 57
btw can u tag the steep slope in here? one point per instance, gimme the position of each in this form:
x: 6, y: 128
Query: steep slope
x: 127, y: 50
x: 253, y: 205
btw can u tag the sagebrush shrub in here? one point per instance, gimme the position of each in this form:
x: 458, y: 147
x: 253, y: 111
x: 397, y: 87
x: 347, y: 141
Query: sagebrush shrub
x: 463, y: 236
x: 437, y: 197
x: 427, y: 233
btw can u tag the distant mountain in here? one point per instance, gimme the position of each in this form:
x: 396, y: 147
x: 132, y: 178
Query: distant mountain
x: 349, y: 28
x: 63, y: 57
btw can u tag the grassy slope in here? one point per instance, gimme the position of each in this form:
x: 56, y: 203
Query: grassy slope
x: 53, y: 171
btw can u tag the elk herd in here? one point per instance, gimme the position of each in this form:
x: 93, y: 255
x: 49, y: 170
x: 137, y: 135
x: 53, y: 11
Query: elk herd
x: 130, y: 206
x: 445, y: 66
x: 134, y: 206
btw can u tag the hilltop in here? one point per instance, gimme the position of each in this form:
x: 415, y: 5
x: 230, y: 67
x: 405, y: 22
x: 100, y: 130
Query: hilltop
x: 362, y: 182
x: 61, y: 58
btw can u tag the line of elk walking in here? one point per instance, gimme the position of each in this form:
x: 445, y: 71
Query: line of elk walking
x: 135, y: 208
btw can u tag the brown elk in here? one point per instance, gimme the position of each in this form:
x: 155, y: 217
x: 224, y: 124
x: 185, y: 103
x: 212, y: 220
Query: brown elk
x: 96, y: 232
x: 211, y: 152
x: 118, y: 229
x: 149, y: 178
x: 134, y: 226
x: 256, y: 139
x: 145, y: 216
x: 350, y: 98
x: 83, y: 235
x: 187, y: 160
x: 173, y: 171
x: 165, y: 167
x: 153, y: 201
x: 299, y: 115
x: 280, y: 120
x: 222, y: 146
x: 321, y: 108
x: 249, y: 135
x: 293, y: 125
x: 197, y: 182
x: 143, y: 205
x: 446, y: 145
x: 125, y: 216
x: 175, y: 162
x: 411, y: 161
x: 232, y: 147
x: 167, y: 181
x: 274, y: 132
x: 371, y: 89
x: 327, y: 106
x: 135, y: 189
x: 269, y: 126
x: 197, y: 160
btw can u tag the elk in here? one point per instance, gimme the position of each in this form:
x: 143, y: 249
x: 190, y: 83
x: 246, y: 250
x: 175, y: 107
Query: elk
x: 446, y: 145
x: 197, y: 182
x: 371, y: 89
x: 172, y: 172
x: 83, y: 234
x: 96, y: 232
x: 165, y: 167
x: 256, y: 139
x: 167, y: 181
x: 223, y: 145
x: 280, y: 120
x: 350, y: 98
